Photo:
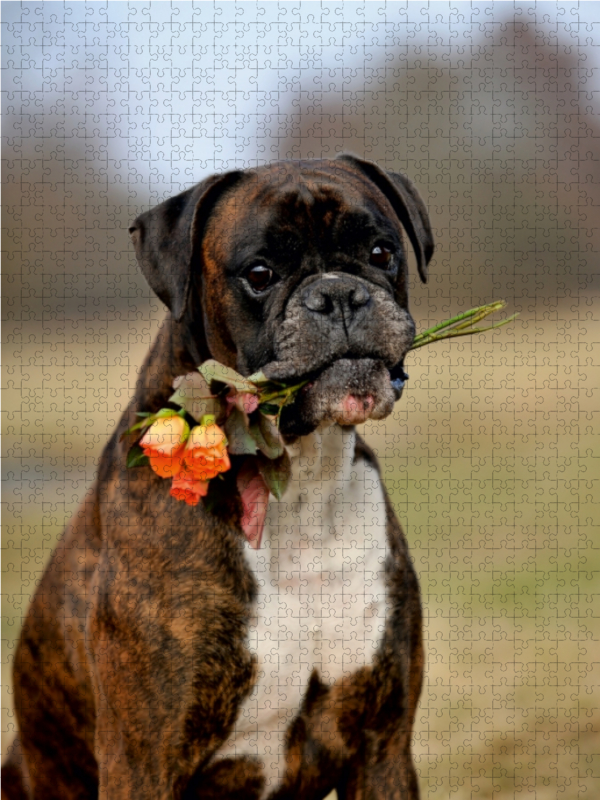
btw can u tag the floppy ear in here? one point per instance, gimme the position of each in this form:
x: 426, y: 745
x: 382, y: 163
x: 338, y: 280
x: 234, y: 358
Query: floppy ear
x: 167, y: 239
x: 408, y: 206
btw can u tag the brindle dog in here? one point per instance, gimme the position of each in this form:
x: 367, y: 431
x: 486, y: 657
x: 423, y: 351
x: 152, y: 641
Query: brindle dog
x: 142, y: 670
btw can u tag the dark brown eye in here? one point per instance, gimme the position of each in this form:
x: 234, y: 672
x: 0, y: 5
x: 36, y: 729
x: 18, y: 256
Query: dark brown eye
x: 259, y: 277
x: 381, y: 256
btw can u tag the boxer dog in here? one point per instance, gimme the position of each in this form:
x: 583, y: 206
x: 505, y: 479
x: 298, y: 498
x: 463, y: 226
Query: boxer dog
x: 163, y: 657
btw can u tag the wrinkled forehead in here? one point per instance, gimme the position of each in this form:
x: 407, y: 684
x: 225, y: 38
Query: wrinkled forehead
x: 287, y: 202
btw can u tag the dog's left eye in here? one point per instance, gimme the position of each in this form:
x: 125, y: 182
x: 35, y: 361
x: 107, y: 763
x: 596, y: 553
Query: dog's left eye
x: 381, y: 256
x: 260, y: 277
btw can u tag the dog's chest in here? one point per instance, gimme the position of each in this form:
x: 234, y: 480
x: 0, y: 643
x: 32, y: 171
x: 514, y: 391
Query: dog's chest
x: 321, y: 600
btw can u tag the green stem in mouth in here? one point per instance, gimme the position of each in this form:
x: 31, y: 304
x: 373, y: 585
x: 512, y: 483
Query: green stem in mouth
x: 462, y: 324
x: 288, y: 392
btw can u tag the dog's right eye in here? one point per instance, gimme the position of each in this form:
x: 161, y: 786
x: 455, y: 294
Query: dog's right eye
x: 381, y: 256
x: 260, y: 277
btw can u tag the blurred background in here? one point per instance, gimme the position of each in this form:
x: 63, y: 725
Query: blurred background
x: 491, y: 457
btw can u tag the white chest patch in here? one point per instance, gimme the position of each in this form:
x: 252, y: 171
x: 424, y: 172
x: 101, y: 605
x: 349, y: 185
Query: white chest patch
x: 321, y: 601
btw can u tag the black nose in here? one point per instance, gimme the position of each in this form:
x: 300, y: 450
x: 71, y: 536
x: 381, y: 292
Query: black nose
x: 333, y: 296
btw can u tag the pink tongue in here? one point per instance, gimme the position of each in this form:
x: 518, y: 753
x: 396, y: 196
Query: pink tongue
x: 255, y: 498
x: 353, y: 410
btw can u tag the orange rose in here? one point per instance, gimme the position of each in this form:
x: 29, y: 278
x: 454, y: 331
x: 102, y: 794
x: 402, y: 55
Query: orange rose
x: 164, y: 444
x: 205, y: 453
x: 186, y: 487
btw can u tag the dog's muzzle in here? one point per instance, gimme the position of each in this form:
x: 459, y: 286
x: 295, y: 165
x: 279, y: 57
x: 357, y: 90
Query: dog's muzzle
x: 335, y: 298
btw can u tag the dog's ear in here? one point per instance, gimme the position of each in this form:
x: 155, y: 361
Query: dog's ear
x: 408, y: 206
x: 167, y: 239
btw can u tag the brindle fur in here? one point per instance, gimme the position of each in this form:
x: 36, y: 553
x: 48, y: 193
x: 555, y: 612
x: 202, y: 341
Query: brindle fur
x: 132, y: 662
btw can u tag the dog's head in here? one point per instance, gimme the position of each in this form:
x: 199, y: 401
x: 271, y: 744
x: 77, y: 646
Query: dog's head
x: 297, y: 269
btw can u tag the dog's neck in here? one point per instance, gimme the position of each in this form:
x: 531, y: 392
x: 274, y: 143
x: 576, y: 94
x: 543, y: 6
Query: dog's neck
x: 175, y: 352
x: 324, y: 456
x: 320, y: 487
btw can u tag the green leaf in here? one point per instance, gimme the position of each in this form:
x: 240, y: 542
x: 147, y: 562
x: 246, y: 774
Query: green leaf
x: 261, y: 380
x: 265, y: 433
x: 196, y: 406
x: 269, y: 408
x: 276, y: 473
x: 195, y: 382
x: 137, y: 458
x: 144, y: 423
x: 214, y: 371
x: 193, y: 394
x: 239, y: 440
x: 164, y: 413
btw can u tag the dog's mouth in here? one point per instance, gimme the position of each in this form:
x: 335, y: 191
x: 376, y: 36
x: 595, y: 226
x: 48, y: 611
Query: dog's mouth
x: 360, y: 404
x: 348, y: 391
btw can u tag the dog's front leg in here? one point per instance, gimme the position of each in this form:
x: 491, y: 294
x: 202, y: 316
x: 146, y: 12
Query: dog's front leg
x: 384, y: 769
x: 166, y: 629
x: 392, y: 777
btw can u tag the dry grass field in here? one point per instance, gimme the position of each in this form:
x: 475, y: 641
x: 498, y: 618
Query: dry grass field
x: 493, y: 468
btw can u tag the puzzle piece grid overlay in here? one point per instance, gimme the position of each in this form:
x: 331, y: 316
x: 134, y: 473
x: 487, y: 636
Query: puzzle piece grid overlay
x: 491, y: 456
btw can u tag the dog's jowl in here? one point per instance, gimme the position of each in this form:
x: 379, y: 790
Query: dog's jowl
x: 163, y: 656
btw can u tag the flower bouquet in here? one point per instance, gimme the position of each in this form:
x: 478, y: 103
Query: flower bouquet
x: 223, y: 413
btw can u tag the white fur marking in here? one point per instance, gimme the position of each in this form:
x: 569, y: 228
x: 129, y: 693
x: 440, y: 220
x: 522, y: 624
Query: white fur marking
x: 322, y: 599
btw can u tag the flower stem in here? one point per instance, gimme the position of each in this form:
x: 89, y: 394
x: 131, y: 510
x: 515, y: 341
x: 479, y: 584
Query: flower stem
x: 287, y: 392
x: 462, y: 324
